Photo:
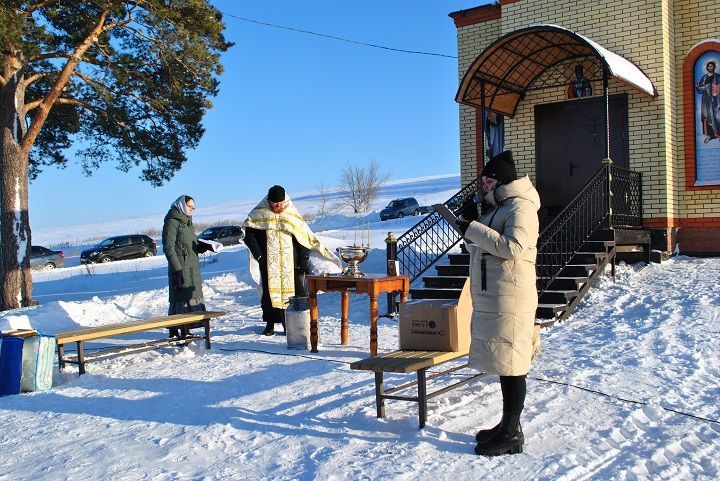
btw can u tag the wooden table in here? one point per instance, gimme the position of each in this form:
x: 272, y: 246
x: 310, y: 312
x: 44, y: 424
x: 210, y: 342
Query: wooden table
x: 372, y: 285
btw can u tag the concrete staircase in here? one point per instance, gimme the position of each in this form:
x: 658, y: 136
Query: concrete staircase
x: 565, y: 289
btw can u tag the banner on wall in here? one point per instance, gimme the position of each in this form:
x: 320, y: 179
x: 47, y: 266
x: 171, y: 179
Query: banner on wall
x: 707, y: 119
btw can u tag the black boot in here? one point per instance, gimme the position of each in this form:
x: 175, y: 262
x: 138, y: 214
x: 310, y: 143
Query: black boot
x: 269, y: 329
x: 507, y: 440
x: 284, y: 333
x: 485, y: 434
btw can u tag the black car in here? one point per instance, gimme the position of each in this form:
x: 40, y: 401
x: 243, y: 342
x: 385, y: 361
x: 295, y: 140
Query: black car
x: 44, y: 258
x: 400, y: 208
x: 120, y: 247
x: 227, y: 235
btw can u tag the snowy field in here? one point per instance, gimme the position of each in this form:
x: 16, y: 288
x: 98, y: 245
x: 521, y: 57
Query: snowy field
x: 626, y: 389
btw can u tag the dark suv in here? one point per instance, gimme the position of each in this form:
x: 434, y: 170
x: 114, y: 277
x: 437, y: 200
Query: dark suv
x: 227, y: 235
x: 399, y: 208
x: 44, y: 258
x: 120, y: 247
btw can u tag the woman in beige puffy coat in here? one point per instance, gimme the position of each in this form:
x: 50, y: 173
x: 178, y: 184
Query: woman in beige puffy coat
x: 504, y: 293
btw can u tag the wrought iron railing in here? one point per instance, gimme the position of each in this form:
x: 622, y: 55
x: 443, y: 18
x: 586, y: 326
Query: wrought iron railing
x: 431, y: 238
x: 590, y: 210
x: 626, y: 198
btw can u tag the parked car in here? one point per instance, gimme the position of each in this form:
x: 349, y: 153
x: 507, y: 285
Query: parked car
x: 426, y: 209
x: 120, y: 247
x: 44, y: 258
x: 227, y: 235
x: 399, y: 208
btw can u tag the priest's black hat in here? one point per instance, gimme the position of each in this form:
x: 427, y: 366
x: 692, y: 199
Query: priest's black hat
x: 501, y: 167
x: 276, y: 193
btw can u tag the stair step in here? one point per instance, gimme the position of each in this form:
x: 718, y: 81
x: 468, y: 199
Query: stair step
x: 577, y: 270
x: 445, y: 281
x: 566, y: 283
x: 602, y: 235
x: 435, y: 293
x: 557, y: 297
x: 550, y: 311
x: 451, y: 270
x: 632, y: 236
x: 459, y: 259
x: 596, y: 246
x: 587, y: 257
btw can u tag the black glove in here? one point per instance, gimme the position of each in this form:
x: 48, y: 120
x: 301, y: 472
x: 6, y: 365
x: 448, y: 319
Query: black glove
x: 179, y: 280
x: 469, y: 210
x: 462, y: 225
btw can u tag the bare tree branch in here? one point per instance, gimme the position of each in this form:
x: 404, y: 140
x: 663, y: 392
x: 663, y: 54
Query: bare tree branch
x: 362, y: 185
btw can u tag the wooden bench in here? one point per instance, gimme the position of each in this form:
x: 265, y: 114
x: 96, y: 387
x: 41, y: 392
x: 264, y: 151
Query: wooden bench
x: 80, y: 336
x: 407, y: 362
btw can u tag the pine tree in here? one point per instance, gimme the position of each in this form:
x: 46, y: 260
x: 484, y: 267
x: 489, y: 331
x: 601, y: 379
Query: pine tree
x: 126, y: 81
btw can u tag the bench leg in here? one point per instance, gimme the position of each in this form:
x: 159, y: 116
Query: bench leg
x: 206, y: 325
x: 61, y: 356
x: 379, y: 391
x: 422, y: 397
x: 81, y: 356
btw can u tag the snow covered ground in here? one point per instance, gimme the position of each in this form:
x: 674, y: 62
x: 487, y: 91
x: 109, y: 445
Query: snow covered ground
x: 625, y: 389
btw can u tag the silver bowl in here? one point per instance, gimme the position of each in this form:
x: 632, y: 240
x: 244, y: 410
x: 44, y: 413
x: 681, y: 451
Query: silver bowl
x: 352, y: 256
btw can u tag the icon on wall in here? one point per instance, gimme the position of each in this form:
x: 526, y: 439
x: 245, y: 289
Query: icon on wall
x: 579, y: 85
x: 707, y: 118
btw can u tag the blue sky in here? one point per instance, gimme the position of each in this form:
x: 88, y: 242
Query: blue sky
x: 295, y: 108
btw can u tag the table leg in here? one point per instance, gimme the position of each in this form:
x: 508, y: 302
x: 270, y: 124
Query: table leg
x: 373, y: 324
x: 345, y: 303
x: 312, y: 303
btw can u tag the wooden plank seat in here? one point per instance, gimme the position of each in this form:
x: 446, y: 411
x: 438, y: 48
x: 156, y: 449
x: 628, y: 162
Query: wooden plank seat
x: 408, y: 362
x: 80, y: 336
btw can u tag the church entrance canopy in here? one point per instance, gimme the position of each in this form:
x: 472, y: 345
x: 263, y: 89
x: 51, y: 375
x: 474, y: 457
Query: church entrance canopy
x: 538, y: 57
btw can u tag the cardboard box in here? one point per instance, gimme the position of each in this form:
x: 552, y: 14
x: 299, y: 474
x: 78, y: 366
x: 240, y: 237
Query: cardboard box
x: 436, y: 324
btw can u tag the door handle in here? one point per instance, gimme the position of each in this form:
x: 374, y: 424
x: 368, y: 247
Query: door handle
x: 572, y: 167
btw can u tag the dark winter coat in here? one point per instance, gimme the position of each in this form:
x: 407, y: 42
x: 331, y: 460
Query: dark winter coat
x: 181, y: 250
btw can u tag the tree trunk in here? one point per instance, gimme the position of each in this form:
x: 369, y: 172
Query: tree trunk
x: 15, y: 241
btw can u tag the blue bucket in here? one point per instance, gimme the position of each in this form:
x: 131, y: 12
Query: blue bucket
x: 10, y: 365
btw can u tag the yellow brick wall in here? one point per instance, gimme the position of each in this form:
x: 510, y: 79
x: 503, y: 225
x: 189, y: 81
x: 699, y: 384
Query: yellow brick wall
x: 471, y: 42
x: 693, y: 23
x: 655, y: 35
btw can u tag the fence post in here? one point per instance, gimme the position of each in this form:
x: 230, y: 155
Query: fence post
x: 391, y: 255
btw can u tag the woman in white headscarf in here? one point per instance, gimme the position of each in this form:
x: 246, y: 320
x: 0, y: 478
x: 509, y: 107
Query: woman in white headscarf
x: 181, y: 249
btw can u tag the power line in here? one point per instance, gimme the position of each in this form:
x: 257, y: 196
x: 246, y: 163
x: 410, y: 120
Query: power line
x: 333, y: 37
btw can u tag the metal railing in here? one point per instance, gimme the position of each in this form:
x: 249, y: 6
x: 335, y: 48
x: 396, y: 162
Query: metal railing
x: 430, y: 239
x: 612, y: 198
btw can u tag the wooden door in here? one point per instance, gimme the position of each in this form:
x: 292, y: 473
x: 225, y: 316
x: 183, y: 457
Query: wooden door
x: 570, y: 146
